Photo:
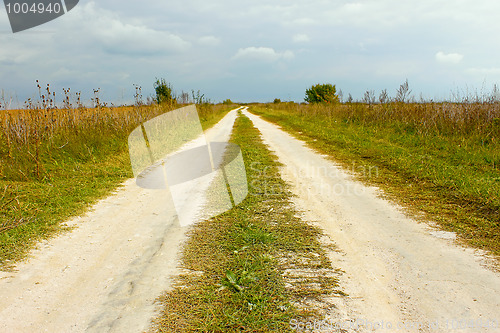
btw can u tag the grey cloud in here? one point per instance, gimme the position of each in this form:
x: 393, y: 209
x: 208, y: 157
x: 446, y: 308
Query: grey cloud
x: 117, y: 36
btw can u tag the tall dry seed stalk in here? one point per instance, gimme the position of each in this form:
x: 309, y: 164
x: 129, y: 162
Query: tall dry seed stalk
x: 44, y: 133
x: 33, y: 134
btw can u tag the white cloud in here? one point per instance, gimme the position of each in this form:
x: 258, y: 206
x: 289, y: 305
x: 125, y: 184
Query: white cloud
x: 301, y: 38
x: 449, y: 58
x: 262, y: 54
x: 209, y: 41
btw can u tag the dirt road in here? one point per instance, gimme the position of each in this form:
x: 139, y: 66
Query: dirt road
x: 401, y: 275
x: 105, y: 275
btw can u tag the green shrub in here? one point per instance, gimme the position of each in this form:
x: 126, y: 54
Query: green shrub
x: 322, y: 93
x: 163, y: 92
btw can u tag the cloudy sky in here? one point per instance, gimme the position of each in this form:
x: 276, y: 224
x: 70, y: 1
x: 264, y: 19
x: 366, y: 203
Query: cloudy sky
x: 257, y: 50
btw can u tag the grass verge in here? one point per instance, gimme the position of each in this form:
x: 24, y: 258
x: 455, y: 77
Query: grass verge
x: 453, y: 178
x: 253, y: 268
x: 48, y: 177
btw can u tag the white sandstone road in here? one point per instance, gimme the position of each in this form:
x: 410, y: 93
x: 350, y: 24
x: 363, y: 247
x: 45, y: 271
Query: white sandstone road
x: 401, y: 275
x: 105, y: 275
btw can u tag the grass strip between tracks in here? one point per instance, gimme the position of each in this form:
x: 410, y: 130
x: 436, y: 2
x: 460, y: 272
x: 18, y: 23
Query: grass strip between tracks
x: 249, y: 269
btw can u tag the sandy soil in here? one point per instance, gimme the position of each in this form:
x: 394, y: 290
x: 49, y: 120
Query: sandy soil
x: 105, y: 275
x: 400, y: 275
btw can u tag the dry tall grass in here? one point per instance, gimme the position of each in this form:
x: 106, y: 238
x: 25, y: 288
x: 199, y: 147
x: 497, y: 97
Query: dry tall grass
x: 466, y: 118
x: 45, y: 132
x: 26, y: 133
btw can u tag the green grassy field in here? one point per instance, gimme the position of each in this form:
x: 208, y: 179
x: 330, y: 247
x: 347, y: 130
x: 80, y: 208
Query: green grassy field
x: 236, y: 261
x: 437, y: 158
x: 55, y: 163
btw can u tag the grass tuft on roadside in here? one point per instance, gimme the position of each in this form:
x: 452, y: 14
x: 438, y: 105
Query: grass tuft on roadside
x: 234, y: 265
